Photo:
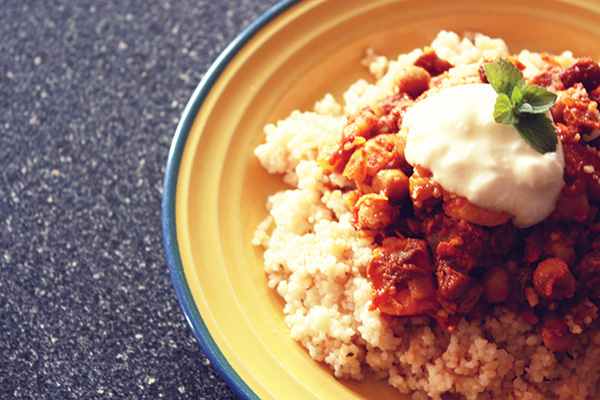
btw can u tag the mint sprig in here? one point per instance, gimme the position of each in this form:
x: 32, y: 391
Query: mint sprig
x: 522, y: 106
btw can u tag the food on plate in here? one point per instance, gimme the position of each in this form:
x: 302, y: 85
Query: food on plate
x: 441, y: 228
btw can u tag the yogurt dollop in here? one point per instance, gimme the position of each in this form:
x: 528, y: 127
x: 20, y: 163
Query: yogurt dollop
x: 453, y: 134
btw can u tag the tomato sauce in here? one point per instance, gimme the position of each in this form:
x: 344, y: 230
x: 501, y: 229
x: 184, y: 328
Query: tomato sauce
x: 439, y: 255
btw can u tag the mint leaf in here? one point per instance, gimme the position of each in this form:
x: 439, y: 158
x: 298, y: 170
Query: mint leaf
x: 539, y: 99
x: 538, y: 131
x: 503, y: 111
x: 516, y: 97
x: 522, y: 106
x: 504, y: 76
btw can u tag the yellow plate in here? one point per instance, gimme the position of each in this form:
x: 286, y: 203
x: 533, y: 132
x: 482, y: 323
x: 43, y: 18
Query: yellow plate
x: 215, y: 191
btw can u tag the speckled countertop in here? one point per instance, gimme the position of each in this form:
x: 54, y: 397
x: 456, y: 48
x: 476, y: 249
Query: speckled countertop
x: 90, y: 95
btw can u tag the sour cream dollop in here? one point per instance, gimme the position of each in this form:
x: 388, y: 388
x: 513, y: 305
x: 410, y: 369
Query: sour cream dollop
x: 453, y: 134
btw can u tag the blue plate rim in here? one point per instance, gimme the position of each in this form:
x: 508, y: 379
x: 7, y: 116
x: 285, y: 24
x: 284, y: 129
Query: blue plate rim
x: 169, y: 228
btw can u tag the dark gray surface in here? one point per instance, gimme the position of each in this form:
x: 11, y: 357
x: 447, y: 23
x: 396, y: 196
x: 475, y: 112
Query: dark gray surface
x: 90, y: 95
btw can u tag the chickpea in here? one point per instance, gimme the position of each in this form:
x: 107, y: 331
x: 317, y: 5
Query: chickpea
x: 588, y: 274
x: 561, y: 247
x: 496, y: 284
x: 413, y: 81
x: 572, y: 208
x: 375, y: 211
x: 381, y: 151
x: 356, y: 168
x: 361, y: 126
x: 553, y: 280
x: 393, y: 183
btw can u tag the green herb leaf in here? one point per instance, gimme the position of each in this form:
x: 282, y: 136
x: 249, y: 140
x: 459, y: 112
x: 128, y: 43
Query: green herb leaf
x: 516, y: 97
x: 522, y: 106
x: 538, y: 132
x: 503, y: 111
x: 504, y: 76
x: 540, y: 99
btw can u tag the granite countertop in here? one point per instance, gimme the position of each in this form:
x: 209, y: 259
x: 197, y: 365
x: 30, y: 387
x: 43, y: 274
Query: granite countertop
x: 90, y: 95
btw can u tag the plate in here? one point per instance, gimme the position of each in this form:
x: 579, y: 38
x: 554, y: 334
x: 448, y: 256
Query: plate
x: 215, y: 190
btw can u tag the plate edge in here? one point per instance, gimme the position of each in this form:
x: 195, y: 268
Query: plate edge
x: 169, y: 228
